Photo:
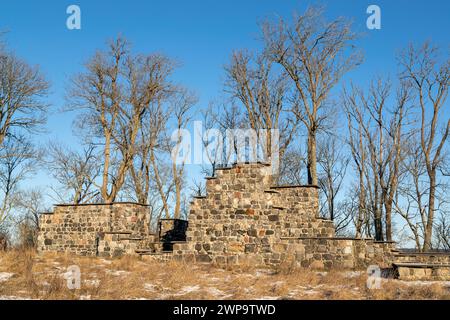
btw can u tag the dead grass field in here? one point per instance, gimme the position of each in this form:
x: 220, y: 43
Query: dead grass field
x: 28, y: 275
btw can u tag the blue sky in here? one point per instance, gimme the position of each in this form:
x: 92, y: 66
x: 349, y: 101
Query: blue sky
x: 199, y: 34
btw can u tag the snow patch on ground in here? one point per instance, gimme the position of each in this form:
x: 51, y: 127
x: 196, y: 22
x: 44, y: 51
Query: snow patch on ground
x: 118, y: 272
x: 218, y: 293
x: 14, y: 298
x: 352, y: 274
x: 149, y: 287
x: 214, y: 279
x: 311, y: 292
x: 93, y: 282
x: 262, y: 272
x: 189, y: 289
x: 268, y: 298
x: 423, y: 283
x: 5, y: 276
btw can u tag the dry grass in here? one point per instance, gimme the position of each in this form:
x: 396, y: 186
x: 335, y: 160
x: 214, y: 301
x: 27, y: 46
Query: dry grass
x: 42, y: 277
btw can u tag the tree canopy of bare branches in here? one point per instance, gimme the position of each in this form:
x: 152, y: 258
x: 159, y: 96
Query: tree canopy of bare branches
x: 22, y: 92
x: 376, y: 137
x: 116, y: 91
x: 315, y: 54
x: 429, y: 75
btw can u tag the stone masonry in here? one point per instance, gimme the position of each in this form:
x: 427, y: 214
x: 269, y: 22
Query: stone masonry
x: 245, y: 218
x: 84, y: 229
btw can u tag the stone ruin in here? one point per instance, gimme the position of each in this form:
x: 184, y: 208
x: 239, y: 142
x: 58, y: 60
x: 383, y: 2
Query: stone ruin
x: 243, y: 219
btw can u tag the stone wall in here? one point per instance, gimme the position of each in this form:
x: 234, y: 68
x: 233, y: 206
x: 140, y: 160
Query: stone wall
x: 80, y: 228
x: 423, y: 265
x: 438, y: 258
x: 244, y: 217
x: 346, y: 253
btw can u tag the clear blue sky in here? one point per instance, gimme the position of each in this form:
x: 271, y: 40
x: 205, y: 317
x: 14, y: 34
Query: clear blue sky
x: 200, y: 34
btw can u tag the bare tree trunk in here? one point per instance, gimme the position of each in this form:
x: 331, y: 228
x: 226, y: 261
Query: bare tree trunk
x: 388, y: 219
x: 106, y: 159
x: 312, y: 159
x: 177, y: 212
x: 430, y: 219
x: 159, y: 185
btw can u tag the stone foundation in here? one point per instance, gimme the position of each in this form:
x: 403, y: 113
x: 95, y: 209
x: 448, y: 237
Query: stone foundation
x: 243, y: 219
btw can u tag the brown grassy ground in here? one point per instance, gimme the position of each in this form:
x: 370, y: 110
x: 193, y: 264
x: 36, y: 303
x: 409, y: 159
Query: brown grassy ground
x: 27, y: 275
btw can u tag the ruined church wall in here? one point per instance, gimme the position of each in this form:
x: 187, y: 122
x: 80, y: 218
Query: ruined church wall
x: 77, y: 228
x: 245, y: 217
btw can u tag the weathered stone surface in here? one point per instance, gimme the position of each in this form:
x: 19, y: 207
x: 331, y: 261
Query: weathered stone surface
x: 243, y: 218
x: 272, y: 224
x: 80, y: 229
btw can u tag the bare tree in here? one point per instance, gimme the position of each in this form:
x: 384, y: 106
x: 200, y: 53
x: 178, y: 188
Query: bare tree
x: 154, y: 165
x: 345, y: 214
x: 315, y: 54
x: 198, y: 188
x: 182, y: 103
x: 214, y: 148
x: 333, y: 165
x: 443, y: 232
x: 17, y: 161
x: 116, y: 91
x: 377, y: 147
x: 292, y: 166
x: 150, y: 141
x: 31, y: 205
x: 430, y: 78
x: 22, y: 89
x: 411, y: 203
x: 76, y: 173
x: 263, y: 93
x: 359, y: 155
x: 22, y: 110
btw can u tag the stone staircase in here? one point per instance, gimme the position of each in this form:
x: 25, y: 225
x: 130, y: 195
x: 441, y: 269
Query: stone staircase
x: 151, y: 246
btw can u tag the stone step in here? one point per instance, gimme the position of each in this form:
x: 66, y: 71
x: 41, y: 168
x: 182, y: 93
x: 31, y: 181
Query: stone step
x: 272, y: 191
x: 132, y: 238
x: 144, y: 251
x: 118, y: 232
x: 420, y: 265
x: 151, y: 253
